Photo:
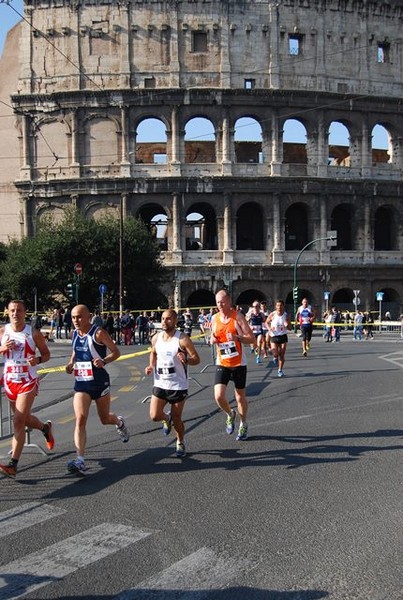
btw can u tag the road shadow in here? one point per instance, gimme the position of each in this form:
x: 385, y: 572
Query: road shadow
x: 232, y: 593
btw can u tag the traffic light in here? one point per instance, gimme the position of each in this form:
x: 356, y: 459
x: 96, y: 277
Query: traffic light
x: 70, y: 290
x: 295, y: 292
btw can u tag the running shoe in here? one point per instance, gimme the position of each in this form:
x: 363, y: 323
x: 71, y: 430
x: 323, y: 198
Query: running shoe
x: 167, y: 424
x: 122, y: 430
x: 180, y: 449
x: 10, y: 470
x: 230, y: 424
x: 280, y: 373
x: 77, y: 466
x: 47, y: 432
x: 242, y: 433
x: 305, y: 353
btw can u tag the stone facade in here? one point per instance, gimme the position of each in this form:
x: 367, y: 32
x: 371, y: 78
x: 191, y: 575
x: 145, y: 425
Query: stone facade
x: 90, y: 73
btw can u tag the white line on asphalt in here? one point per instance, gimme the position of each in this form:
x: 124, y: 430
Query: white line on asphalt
x: 201, y: 571
x: 54, y: 562
x: 25, y: 516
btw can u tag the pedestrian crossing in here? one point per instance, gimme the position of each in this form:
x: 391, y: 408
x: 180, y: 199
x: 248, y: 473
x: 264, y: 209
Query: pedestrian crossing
x: 201, y: 571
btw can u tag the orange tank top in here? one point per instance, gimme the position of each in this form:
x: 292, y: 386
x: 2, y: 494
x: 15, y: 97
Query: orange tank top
x: 229, y: 353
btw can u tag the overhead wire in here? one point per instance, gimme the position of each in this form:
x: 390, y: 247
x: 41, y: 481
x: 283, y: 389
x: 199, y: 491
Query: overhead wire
x: 162, y: 92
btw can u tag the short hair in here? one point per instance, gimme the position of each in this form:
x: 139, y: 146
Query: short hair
x: 171, y: 311
x: 17, y: 301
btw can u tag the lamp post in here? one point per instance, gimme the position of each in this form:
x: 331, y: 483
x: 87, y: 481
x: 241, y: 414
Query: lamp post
x: 121, y: 291
x: 330, y: 238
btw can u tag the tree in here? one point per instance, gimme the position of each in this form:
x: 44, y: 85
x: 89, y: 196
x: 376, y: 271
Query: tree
x: 46, y: 262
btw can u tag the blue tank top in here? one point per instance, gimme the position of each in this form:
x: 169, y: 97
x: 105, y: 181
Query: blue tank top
x: 85, y: 350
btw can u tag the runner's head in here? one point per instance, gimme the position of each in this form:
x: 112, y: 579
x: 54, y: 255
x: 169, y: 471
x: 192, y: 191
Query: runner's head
x: 81, y: 317
x: 17, y: 311
x: 223, y: 301
x: 169, y: 320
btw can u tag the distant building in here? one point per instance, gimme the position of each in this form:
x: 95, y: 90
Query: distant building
x: 86, y: 79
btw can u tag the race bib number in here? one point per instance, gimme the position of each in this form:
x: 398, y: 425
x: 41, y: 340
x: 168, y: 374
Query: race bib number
x: 228, y: 349
x: 166, y: 370
x: 17, y: 370
x: 83, y: 371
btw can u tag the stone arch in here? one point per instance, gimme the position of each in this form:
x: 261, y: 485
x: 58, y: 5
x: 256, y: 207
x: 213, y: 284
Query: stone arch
x: 296, y: 226
x: 246, y: 298
x: 201, y: 227
x: 201, y: 298
x: 294, y: 142
x: 97, y: 210
x: 200, y: 140
x: 391, y: 302
x: 341, y: 221
x: 101, y: 140
x: 339, y: 154
x: 248, y: 140
x: 249, y: 227
x: 384, y: 228
x: 56, y: 213
x: 381, y: 144
x: 150, y: 140
x: 156, y: 220
x: 51, y: 144
x: 343, y: 299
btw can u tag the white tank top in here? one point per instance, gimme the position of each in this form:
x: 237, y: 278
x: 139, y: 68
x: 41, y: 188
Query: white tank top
x: 277, y: 325
x: 16, y: 366
x: 169, y: 372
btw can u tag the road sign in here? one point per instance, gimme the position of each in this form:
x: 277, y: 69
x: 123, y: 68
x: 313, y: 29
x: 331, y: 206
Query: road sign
x: 78, y: 268
x: 326, y: 295
x: 356, y: 292
x: 356, y: 301
x: 379, y: 296
x: 103, y: 289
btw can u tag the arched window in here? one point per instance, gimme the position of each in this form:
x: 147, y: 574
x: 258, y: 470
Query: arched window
x: 383, y: 227
x: 248, y: 141
x: 200, y: 145
x: 381, y: 146
x: 339, y: 145
x: 249, y: 227
x: 294, y: 142
x: 201, y: 227
x: 151, y: 142
x: 296, y: 227
x: 341, y: 222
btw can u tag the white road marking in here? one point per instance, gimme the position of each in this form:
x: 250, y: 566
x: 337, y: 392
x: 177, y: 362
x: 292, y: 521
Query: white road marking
x: 54, y: 562
x: 25, y: 516
x: 201, y: 571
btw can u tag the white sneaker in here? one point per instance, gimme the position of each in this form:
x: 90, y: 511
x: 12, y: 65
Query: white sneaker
x: 123, y: 431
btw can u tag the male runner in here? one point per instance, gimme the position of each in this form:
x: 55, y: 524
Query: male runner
x: 19, y: 343
x: 230, y: 330
x: 170, y: 354
x: 93, y: 349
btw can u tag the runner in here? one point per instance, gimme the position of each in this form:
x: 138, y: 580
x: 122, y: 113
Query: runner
x: 89, y: 357
x: 19, y: 343
x: 256, y: 319
x: 278, y: 324
x: 170, y: 354
x: 305, y: 317
x: 229, y: 331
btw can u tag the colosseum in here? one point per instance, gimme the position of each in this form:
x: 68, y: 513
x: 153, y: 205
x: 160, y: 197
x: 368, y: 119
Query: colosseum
x: 182, y: 112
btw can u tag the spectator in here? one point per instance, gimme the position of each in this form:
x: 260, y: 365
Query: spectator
x: 142, y: 327
x: 127, y: 326
x: 67, y: 323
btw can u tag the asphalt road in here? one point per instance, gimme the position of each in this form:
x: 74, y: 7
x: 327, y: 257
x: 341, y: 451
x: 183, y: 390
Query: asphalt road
x: 308, y: 507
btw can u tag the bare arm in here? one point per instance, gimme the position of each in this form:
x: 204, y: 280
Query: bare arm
x: 103, y: 337
x: 245, y: 333
x: 153, y: 357
x: 188, y: 353
x: 44, y: 353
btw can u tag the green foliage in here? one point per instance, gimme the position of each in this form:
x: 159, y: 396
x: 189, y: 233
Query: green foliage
x: 46, y: 263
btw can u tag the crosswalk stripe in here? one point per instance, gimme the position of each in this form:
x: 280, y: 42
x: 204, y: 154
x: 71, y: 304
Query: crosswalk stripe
x: 201, y: 571
x: 38, y: 569
x: 25, y: 516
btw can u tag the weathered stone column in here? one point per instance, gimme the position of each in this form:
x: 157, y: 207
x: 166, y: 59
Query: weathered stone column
x: 175, y: 144
x: 176, y: 229
x: 228, y: 249
x: 227, y: 145
x: 277, y: 253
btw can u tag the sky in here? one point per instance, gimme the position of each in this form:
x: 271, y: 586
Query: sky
x: 8, y: 17
x: 295, y: 132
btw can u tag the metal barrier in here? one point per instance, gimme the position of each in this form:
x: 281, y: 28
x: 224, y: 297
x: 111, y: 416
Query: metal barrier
x: 6, y: 420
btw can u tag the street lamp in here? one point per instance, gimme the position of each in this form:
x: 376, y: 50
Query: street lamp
x: 331, y: 237
x: 121, y: 257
